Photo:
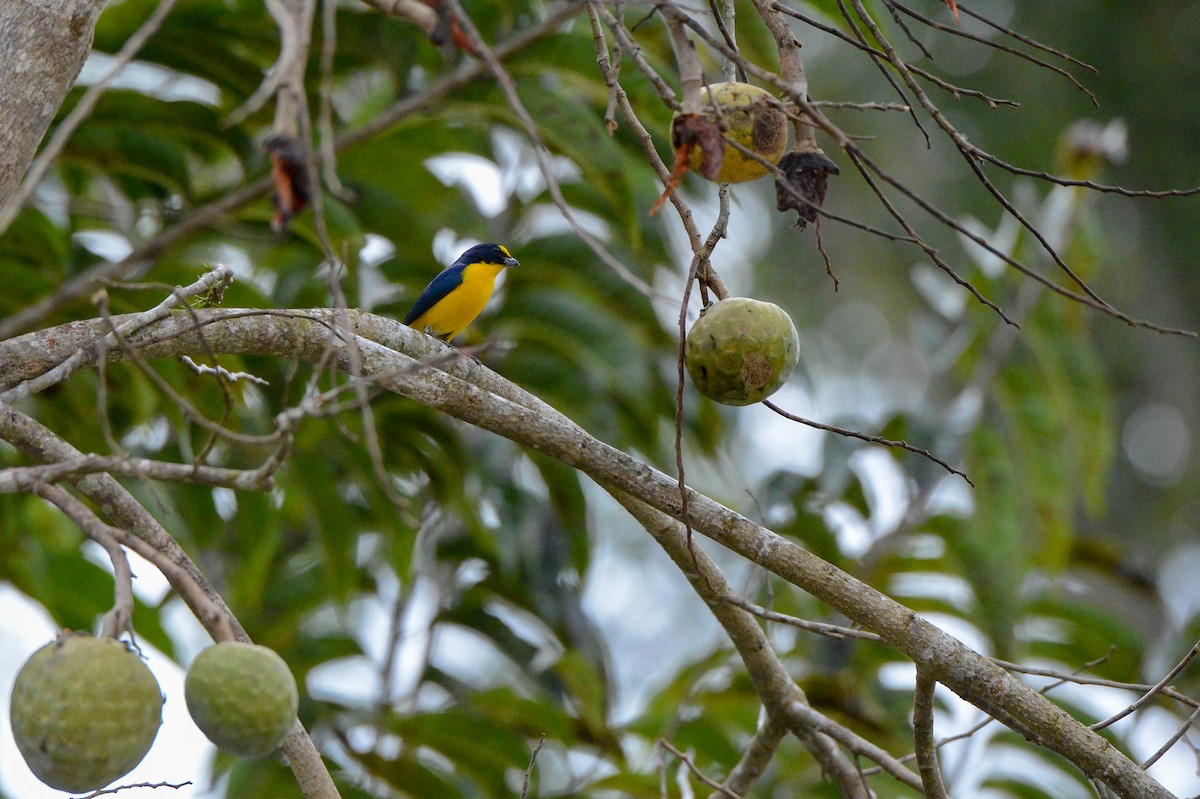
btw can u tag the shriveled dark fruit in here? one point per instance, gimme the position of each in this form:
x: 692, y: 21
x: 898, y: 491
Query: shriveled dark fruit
x: 242, y: 696
x: 85, y: 711
x: 740, y: 351
x: 751, y: 117
x: 802, y: 185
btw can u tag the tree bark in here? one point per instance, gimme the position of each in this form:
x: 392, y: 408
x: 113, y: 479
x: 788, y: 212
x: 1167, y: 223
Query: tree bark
x: 390, y: 353
x: 45, y: 43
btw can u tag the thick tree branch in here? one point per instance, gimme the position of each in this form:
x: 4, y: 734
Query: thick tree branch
x: 45, y: 43
x: 469, y: 391
x: 81, y: 111
x: 116, y: 621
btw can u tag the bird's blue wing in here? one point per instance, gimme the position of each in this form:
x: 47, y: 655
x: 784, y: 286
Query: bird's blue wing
x: 447, y: 281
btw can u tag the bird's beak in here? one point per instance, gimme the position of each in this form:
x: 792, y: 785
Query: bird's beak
x: 510, y: 261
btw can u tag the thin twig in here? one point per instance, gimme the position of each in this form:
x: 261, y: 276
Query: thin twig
x: 1154, y: 691
x: 325, y: 100
x: 700, y: 775
x: 1080, y: 679
x: 286, y: 77
x: 106, y: 791
x: 1174, y: 739
x: 508, y: 86
x: 529, y: 768
x: 986, y: 42
x: 217, y: 278
x: 126, y: 466
x: 1106, y: 188
x: 1026, y: 40
x: 927, y: 762
x: 118, y: 620
x: 880, y: 64
x: 956, y: 91
x: 821, y: 628
x: 221, y: 372
x: 858, y: 745
x: 887, y: 442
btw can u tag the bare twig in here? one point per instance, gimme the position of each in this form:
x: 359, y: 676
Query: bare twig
x: 416, y: 12
x: 221, y: 372
x: 106, y: 791
x: 126, y: 466
x: 1081, y: 679
x: 1154, y: 691
x: 325, y: 109
x: 118, y: 620
x: 927, y: 763
x: 821, y: 628
x: 218, y: 278
x: 986, y: 42
x: 956, y: 91
x: 887, y: 442
x: 1156, y: 194
x: 286, y: 78
x: 1026, y: 40
x: 700, y: 775
x: 1174, y: 739
x: 529, y: 769
x: 858, y: 745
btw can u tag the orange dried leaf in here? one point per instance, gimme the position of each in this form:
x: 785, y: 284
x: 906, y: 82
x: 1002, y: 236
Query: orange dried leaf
x: 678, y: 170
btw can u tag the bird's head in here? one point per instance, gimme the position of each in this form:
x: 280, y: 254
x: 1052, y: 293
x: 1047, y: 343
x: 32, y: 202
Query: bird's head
x: 488, y: 254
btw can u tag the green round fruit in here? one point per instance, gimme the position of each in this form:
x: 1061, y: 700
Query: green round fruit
x: 752, y: 118
x: 242, y: 696
x: 740, y: 351
x: 84, y: 712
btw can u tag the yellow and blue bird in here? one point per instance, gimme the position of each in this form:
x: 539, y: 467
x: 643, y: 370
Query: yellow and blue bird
x: 455, y: 297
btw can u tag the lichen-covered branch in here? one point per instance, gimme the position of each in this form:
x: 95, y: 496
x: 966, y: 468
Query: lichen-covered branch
x: 466, y: 390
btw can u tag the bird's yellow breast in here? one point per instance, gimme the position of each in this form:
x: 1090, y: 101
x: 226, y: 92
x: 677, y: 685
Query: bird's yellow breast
x: 450, y: 315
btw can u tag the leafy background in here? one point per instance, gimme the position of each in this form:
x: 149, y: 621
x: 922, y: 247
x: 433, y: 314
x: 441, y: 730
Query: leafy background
x: 516, y: 600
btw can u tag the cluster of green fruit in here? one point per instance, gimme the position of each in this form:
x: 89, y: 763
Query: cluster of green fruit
x: 86, y: 710
x: 741, y: 350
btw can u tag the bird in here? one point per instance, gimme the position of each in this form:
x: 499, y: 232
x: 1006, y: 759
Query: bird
x: 455, y: 297
x: 289, y: 172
